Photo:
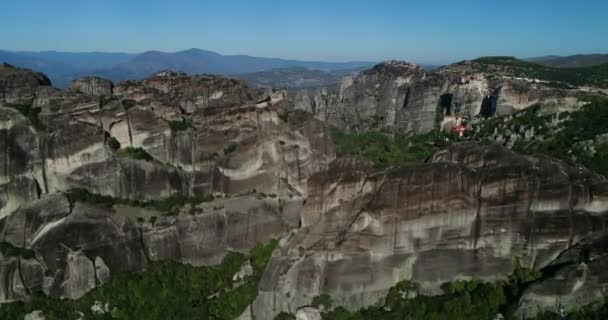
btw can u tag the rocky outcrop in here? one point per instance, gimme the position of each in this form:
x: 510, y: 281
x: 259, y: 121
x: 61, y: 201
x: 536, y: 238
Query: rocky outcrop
x: 466, y: 214
x: 19, y: 86
x: 393, y: 94
x: 168, y: 134
x: 19, y: 155
x: 576, y: 278
x: 204, y: 134
x: 402, y: 96
x: 94, y: 86
x: 346, y: 229
x: 77, y: 246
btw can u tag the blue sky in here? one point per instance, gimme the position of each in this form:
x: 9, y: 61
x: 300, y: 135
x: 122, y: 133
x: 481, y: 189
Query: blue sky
x: 430, y: 31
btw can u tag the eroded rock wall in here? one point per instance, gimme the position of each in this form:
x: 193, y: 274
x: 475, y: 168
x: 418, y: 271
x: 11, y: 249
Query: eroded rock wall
x: 145, y: 140
x: 403, y: 96
x: 467, y: 214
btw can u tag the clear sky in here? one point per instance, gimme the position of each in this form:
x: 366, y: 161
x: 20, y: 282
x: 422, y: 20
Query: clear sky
x: 429, y: 31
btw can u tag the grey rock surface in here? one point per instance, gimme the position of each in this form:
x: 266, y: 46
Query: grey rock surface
x: 465, y: 215
x: 308, y: 313
x: 203, y: 134
x: 403, y: 96
x: 18, y: 85
x: 94, y: 86
x: 346, y: 229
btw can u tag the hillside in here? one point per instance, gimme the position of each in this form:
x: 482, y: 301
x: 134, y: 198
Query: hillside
x: 574, y: 61
x: 558, y: 77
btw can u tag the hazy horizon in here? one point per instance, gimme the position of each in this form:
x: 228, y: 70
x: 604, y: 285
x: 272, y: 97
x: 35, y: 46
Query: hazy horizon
x: 429, y: 32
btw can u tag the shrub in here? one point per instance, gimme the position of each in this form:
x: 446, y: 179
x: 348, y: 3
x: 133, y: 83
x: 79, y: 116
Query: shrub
x: 10, y: 250
x: 322, y: 300
x: 84, y: 196
x: 564, y: 141
x: 230, y: 148
x: 135, y: 153
x: 105, y: 100
x: 556, y: 77
x: 285, y: 316
x: 113, y: 143
x: 260, y: 255
x: 31, y: 113
x: 180, y: 125
x: 168, y: 206
x: 165, y: 290
x: 128, y: 103
x: 385, y: 149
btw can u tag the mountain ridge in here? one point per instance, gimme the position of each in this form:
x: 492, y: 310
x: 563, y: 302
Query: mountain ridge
x: 573, y: 61
x: 61, y: 68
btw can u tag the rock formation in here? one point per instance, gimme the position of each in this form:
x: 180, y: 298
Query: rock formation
x: 19, y: 85
x: 347, y: 229
x: 94, y: 86
x: 405, y: 97
x: 168, y: 134
x: 466, y: 214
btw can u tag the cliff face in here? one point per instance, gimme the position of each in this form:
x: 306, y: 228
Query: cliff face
x: 77, y: 246
x: 346, y: 229
x: 464, y: 215
x: 204, y: 135
x: 393, y: 94
x: 404, y: 97
x: 142, y: 141
x: 19, y: 85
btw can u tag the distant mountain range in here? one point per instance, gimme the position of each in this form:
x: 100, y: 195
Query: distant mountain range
x: 575, y: 61
x: 63, y: 67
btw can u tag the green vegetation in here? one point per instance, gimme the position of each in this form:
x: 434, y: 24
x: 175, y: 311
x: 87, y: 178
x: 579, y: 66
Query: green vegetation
x: 166, y: 290
x: 439, y: 114
x: 285, y: 316
x: 180, y: 125
x: 520, y: 277
x: 113, y: 143
x: 594, y: 76
x: 230, y: 148
x: 386, y: 149
x: 84, y: 196
x: 169, y: 206
x: 569, y: 142
x: 106, y: 99
x: 135, y: 153
x: 8, y: 250
x: 128, y: 103
x: 505, y: 61
x: 30, y: 112
x: 580, y: 136
x: 470, y: 300
x: 461, y: 300
x: 323, y: 300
